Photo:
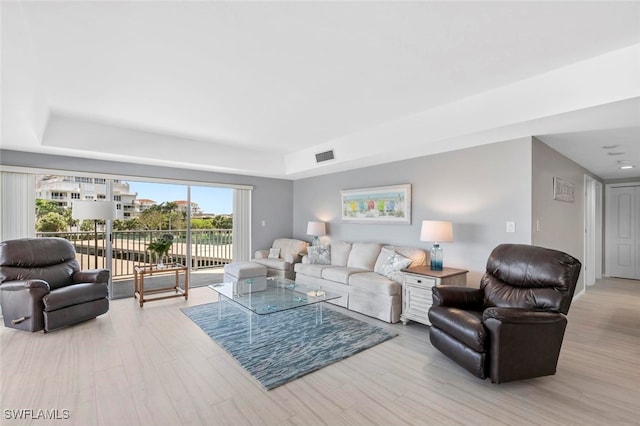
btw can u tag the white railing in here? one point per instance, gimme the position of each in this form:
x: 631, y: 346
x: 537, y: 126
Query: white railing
x: 210, y: 248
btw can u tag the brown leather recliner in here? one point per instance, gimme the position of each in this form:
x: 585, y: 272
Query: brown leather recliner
x: 512, y: 327
x: 42, y: 287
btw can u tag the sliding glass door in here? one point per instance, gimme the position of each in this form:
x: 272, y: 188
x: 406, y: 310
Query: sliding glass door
x: 157, y: 223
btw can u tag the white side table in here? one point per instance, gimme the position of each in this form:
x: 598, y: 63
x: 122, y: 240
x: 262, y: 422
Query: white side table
x: 416, y: 290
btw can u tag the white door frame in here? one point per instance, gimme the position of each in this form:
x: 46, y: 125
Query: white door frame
x: 599, y: 229
x: 591, y: 259
x: 609, y: 227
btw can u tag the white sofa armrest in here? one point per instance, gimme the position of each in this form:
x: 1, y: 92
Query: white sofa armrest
x: 262, y: 254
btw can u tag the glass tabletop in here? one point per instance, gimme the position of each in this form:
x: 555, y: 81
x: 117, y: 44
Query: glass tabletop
x: 269, y: 295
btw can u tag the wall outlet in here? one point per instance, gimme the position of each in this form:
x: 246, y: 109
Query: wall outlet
x: 511, y: 226
x: 263, y: 223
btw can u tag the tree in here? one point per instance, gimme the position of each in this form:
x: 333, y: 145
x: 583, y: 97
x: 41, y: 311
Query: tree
x: 88, y: 225
x: 152, y: 218
x: 45, y: 206
x: 202, y: 223
x: 222, y: 222
x: 126, y: 225
x: 51, y: 222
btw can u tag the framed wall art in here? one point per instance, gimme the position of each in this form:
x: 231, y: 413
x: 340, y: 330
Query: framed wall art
x: 563, y: 190
x: 382, y: 204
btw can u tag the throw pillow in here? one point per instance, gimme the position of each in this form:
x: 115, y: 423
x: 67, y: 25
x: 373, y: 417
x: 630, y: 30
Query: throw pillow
x: 395, y: 263
x: 274, y: 253
x: 385, y: 254
x: 319, y: 255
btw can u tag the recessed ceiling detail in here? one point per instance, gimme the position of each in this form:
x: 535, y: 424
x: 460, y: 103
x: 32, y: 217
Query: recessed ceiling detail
x: 201, y: 83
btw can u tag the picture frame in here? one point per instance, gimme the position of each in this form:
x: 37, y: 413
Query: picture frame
x: 563, y: 190
x: 382, y: 204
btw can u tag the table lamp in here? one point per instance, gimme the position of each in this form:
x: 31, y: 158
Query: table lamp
x: 437, y: 232
x: 94, y: 210
x: 316, y: 229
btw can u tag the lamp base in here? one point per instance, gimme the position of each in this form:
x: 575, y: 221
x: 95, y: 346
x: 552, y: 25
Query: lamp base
x: 436, y: 257
x: 315, y: 241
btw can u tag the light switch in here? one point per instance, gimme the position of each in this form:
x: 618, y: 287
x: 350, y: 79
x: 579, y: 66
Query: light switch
x: 264, y: 223
x: 511, y: 226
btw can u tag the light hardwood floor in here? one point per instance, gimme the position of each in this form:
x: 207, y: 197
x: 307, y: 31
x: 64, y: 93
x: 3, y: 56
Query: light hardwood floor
x: 153, y: 366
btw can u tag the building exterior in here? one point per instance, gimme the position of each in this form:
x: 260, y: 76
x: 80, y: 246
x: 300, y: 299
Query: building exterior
x: 63, y: 190
x: 182, y: 207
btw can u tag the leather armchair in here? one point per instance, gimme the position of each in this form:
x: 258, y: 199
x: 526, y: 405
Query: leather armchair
x: 42, y: 287
x: 512, y: 327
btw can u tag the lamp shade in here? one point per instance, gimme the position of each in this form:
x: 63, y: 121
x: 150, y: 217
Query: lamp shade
x: 94, y: 210
x: 316, y: 228
x: 436, y: 231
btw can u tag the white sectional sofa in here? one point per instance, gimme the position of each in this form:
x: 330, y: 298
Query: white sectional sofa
x: 367, y: 275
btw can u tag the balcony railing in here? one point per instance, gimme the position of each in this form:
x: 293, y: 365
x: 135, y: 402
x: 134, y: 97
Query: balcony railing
x: 210, y: 248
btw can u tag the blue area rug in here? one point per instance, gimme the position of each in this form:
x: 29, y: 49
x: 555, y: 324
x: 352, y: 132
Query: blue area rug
x: 286, y: 345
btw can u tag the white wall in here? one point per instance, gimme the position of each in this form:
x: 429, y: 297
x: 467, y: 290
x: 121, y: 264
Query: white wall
x: 478, y: 189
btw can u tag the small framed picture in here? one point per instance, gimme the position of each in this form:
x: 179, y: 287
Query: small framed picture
x: 563, y: 190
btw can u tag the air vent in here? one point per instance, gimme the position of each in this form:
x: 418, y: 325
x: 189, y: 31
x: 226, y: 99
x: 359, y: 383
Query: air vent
x: 324, y: 156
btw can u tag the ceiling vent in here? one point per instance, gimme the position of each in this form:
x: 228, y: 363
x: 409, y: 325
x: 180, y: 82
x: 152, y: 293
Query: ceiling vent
x: 324, y: 156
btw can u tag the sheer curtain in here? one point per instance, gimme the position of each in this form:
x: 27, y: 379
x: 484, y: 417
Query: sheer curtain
x: 18, y: 201
x: 241, y: 225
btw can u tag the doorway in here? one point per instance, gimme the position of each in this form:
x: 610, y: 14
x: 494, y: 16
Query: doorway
x: 623, y: 231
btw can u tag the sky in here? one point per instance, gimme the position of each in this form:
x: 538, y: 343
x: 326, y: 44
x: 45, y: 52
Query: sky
x: 210, y: 199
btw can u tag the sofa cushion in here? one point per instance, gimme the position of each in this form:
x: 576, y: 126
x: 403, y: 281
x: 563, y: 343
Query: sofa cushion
x: 309, y: 269
x: 375, y: 283
x: 340, y: 253
x: 364, y: 255
x: 339, y: 274
x: 319, y: 255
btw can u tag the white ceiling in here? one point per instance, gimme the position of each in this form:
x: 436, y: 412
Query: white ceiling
x: 260, y: 87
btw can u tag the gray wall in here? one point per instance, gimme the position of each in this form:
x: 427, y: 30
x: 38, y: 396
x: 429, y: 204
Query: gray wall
x: 272, y: 199
x: 561, y: 223
x: 478, y: 189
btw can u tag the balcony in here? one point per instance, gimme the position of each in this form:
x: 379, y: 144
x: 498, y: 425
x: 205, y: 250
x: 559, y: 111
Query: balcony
x: 211, y: 249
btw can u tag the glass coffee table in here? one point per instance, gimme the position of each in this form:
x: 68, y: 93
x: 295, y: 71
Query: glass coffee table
x: 264, y: 296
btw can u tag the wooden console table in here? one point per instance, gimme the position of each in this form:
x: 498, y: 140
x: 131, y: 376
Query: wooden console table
x: 416, y: 290
x: 175, y: 268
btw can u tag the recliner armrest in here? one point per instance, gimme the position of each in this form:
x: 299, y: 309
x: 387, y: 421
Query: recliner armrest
x: 466, y: 298
x: 91, y: 276
x: 521, y: 316
x: 25, y: 285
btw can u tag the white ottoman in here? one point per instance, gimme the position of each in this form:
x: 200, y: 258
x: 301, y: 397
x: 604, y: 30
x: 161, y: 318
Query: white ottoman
x: 247, y: 277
